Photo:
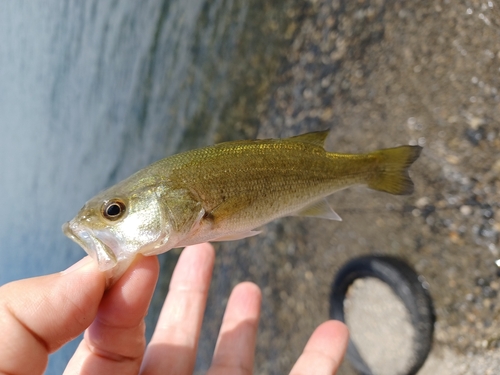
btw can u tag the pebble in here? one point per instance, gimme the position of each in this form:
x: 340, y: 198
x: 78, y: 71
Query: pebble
x: 465, y: 210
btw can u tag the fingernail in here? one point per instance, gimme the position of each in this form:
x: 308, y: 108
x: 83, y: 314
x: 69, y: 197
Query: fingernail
x: 78, y: 265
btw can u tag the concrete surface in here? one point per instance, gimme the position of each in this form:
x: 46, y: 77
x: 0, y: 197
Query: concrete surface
x: 380, y: 326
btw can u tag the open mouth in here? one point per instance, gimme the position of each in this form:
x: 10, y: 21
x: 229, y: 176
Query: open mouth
x: 84, y: 237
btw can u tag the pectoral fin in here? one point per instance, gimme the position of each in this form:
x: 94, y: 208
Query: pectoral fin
x: 320, y: 209
x: 237, y: 236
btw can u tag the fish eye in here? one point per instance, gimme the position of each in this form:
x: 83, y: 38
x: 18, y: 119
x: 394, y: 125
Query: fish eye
x: 113, y: 209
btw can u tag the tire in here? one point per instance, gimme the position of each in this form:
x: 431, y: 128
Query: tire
x: 406, y: 284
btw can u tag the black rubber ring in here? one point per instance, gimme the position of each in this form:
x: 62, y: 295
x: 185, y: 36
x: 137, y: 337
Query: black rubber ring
x: 406, y: 284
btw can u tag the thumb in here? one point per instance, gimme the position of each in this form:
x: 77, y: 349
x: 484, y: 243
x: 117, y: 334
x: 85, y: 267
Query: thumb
x: 39, y: 315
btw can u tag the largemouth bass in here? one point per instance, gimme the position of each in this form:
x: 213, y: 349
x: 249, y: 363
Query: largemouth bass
x: 226, y: 191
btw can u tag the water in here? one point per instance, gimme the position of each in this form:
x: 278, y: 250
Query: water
x: 91, y: 91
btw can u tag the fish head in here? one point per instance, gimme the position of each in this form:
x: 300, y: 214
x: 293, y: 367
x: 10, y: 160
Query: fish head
x: 116, y: 225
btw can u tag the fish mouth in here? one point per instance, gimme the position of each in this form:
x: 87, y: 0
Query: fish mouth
x: 97, y: 249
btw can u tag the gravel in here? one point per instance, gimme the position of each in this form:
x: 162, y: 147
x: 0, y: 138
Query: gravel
x: 380, y: 74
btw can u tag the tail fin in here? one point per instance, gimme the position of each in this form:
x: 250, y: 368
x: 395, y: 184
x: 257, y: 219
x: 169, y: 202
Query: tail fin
x: 392, y: 169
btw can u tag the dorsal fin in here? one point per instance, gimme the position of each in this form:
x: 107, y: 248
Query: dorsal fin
x: 315, y: 138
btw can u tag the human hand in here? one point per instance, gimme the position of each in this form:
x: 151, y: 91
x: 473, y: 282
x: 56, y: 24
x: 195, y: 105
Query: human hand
x: 39, y: 315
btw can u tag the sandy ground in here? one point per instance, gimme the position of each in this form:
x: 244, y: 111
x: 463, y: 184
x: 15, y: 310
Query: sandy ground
x: 381, y: 74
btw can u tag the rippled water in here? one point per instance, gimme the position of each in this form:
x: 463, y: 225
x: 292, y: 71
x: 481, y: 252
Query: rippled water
x: 91, y: 91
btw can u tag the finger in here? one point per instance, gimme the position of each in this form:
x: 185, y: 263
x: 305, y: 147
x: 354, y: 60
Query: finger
x: 115, y: 342
x: 324, y: 351
x: 172, y: 349
x: 40, y: 314
x: 235, y: 349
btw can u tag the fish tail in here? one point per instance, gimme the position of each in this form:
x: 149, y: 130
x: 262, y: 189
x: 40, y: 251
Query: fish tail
x: 392, y: 169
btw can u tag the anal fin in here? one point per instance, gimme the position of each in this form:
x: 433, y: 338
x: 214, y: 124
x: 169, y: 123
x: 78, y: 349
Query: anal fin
x: 320, y: 209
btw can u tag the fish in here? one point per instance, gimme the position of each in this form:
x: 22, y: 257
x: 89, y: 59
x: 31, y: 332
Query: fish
x: 227, y: 192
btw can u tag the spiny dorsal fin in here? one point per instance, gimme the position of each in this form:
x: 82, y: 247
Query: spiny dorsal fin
x: 315, y: 138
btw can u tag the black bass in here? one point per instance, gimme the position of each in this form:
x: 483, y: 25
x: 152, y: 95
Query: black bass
x: 226, y: 191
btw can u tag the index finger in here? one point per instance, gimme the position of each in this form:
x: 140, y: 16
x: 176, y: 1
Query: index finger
x: 114, y: 343
x: 174, y: 343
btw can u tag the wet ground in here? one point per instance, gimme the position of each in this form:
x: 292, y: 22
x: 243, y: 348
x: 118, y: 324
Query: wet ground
x: 381, y: 74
